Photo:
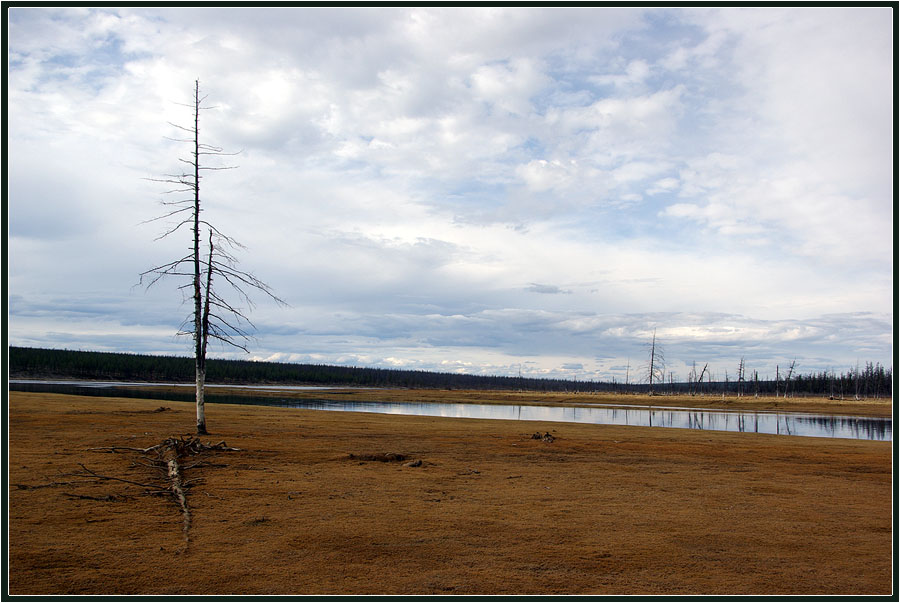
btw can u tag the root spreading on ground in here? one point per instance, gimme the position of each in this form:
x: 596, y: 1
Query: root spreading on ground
x: 167, y: 459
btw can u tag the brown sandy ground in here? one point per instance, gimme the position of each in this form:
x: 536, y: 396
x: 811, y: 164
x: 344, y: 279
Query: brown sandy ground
x: 598, y: 510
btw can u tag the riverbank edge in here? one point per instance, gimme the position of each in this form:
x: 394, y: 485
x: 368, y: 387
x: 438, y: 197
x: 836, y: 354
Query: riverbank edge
x: 872, y: 407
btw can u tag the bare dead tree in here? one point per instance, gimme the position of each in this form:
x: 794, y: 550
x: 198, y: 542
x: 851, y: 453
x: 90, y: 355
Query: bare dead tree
x: 700, y: 378
x: 656, y: 370
x: 787, y: 380
x: 627, y: 368
x: 213, y: 316
x: 725, y: 384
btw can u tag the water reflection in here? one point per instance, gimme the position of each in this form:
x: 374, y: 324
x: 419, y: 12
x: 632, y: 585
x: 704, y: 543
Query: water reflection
x: 795, y: 424
x: 865, y: 428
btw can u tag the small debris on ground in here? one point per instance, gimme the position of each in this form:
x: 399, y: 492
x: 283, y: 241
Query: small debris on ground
x: 257, y: 521
x: 387, y: 457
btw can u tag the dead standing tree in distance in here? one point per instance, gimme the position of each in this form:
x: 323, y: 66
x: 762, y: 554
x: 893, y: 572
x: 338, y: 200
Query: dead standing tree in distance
x: 656, y: 370
x: 787, y: 380
x: 700, y: 379
x: 212, y: 316
x: 695, y: 381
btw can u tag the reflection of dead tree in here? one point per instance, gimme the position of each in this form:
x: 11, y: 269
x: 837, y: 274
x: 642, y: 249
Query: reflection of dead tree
x: 166, y: 459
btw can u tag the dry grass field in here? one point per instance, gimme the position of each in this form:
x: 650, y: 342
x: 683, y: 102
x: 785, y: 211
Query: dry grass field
x: 312, y: 503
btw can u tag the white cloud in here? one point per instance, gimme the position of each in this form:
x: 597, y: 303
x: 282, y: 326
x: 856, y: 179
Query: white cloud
x: 803, y: 153
x: 509, y: 87
x: 635, y: 73
x: 541, y: 175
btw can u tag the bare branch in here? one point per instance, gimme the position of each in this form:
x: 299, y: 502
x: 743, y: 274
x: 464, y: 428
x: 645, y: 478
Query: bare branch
x: 230, y: 341
x: 164, y: 216
x: 177, y: 139
x: 188, y: 130
x: 172, y: 230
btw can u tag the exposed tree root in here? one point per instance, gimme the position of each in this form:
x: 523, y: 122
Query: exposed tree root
x: 107, y: 498
x: 95, y: 475
x: 183, y: 446
x: 166, y: 458
x: 47, y: 485
x: 177, y: 486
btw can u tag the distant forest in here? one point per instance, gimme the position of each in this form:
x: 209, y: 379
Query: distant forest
x: 870, y: 381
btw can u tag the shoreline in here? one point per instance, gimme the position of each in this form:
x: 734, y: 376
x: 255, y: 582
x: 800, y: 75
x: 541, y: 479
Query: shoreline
x: 867, y: 407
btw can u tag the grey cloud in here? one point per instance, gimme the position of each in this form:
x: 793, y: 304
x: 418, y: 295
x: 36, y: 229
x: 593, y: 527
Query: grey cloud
x: 546, y: 289
x: 524, y: 335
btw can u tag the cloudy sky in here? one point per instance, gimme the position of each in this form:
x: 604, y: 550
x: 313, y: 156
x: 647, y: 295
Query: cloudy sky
x: 485, y: 190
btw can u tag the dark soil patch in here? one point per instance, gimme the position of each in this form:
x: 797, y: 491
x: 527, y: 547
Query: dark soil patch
x: 387, y: 457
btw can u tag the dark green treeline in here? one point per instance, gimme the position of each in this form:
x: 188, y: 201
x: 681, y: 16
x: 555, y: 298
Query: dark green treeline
x: 67, y: 364
x: 871, y: 380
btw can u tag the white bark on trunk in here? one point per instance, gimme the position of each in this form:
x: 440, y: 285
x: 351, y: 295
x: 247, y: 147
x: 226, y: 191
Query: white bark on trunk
x: 201, y: 410
x: 177, y: 486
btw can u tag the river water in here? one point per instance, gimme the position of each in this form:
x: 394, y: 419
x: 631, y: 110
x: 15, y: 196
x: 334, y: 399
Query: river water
x: 790, y: 424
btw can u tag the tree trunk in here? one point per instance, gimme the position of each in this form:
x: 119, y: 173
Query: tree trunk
x: 787, y: 380
x: 177, y: 486
x: 199, y: 351
x: 201, y: 409
x: 700, y: 379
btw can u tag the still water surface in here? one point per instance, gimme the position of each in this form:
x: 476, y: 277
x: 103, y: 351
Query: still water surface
x: 792, y: 424
x: 864, y: 428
